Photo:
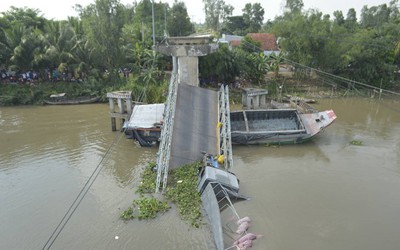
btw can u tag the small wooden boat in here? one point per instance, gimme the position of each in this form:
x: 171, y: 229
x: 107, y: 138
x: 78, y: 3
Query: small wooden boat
x: 277, y: 126
x: 63, y: 99
x: 298, y: 99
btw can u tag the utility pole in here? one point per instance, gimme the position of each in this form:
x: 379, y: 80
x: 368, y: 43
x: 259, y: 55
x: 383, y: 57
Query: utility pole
x: 152, y: 18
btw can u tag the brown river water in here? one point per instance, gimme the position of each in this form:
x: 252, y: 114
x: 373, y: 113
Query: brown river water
x: 326, y: 194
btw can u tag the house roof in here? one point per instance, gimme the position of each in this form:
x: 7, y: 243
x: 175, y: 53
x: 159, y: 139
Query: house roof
x: 268, y: 41
x: 235, y: 43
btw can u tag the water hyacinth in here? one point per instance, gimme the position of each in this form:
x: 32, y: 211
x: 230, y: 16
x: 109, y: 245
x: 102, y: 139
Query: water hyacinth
x: 181, y: 190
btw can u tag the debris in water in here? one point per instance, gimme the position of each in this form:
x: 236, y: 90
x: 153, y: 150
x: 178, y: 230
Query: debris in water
x: 244, y: 219
x: 242, y: 227
x: 356, y: 143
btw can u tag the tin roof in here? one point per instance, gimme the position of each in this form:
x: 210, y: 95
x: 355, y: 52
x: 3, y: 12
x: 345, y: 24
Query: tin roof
x: 145, y: 116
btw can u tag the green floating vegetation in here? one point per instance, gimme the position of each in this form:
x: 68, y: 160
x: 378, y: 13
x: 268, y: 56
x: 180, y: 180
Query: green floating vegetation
x: 356, y: 143
x: 181, y: 190
x: 145, y: 208
x: 148, y: 183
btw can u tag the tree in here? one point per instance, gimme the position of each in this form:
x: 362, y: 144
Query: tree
x: 221, y: 66
x: 339, y: 18
x: 25, y: 16
x: 25, y: 54
x: 102, y: 24
x: 370, y: 59
x: 294, y: 6
x: 179, y: 23
x: 59, y: 41
x: 253, y: 15
x: 142, y: 21
x: 351, y: 19
x: 20, y: 37
x: 216, y: 12
x: 235, y: 25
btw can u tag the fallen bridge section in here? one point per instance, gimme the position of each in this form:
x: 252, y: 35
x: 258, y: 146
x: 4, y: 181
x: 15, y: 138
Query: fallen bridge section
x: 195, y: 121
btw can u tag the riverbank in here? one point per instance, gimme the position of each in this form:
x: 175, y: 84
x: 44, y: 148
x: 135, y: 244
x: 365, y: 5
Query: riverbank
x: 13, y: 94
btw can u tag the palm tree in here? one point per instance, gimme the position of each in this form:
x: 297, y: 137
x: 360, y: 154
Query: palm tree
x: 59, y: 41
x: 25, y: 54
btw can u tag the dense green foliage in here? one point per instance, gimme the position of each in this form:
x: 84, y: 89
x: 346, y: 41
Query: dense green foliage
x: 364, y: 50
x: 149, y: 88
x: 110, y: 40
x: 247, y: 62
x: 103, y: 37
x: 12, y: 94
x: 216, y: 13
x: 107, y: 48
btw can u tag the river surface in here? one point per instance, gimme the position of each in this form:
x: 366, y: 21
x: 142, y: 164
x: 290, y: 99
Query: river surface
x: 326, y: 194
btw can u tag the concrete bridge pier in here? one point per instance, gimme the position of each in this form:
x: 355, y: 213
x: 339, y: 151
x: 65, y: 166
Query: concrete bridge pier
x: 254, y: 98
x: 123, y: 99
x: 187, y: 51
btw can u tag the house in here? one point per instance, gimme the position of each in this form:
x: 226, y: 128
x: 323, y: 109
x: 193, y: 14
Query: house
x: 267, y: 41
x: 231, y: 40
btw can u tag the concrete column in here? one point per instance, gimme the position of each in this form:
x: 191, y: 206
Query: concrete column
x: 187, y: 50
x: 256, y: 102
x: 249, y: 102
x: 175, y: 64
x: 111, y: 101
x: 129, y: 106
x: 113, y: 124
x: 120, y: 105
x: 244, y: 101
x: 188, y: 69
x: 263, y: 102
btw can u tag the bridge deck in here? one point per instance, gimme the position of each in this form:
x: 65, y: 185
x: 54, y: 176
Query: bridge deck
x: 195, y: 122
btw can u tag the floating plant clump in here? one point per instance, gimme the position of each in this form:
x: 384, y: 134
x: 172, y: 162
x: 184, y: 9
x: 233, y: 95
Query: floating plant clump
x: 145, y: 208
x: 356, y: 143
x: 181, y: 190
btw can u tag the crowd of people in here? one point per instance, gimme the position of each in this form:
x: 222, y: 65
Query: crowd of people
x: 31, y: 76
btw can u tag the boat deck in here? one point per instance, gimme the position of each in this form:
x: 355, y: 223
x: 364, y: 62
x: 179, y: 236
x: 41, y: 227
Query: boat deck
x: 268, y: 120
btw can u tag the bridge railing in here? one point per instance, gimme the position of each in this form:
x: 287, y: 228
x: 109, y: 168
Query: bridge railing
x: 164, y: 150
x: 224, y: 128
